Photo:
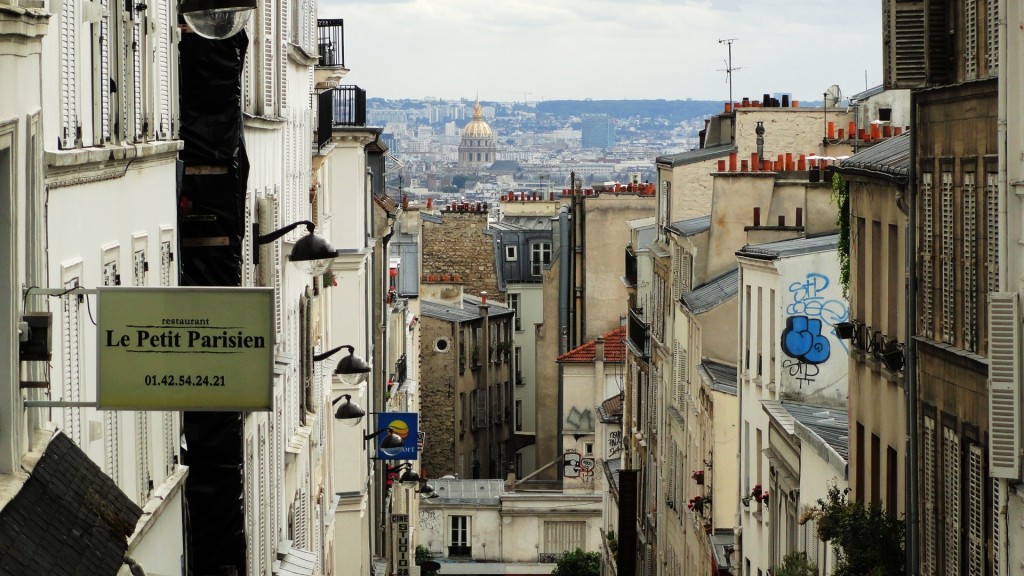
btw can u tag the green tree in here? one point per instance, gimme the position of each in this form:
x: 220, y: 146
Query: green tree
x: 867, y: 540
x: 797, y: 564
x: 578, y: 563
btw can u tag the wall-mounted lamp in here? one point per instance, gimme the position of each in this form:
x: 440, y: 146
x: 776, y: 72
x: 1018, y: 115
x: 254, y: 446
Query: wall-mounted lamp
x: 409, y: 477
x: 216, y: 19
x: 349, y: 413
x: 312, y: 254
x: 390, y: 441
x: 352, y: 369
x: 426, y: 490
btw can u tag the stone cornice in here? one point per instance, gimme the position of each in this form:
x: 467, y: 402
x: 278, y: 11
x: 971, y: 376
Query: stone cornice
x: 351, y: 260
x: 84, y: 165
x: 360, y: 136
x: 18, y: 21
x: 298, y: 55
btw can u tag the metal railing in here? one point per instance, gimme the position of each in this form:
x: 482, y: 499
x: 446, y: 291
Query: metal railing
x: 331, y: 42
x: 340, y: 106
x: 639, y: 333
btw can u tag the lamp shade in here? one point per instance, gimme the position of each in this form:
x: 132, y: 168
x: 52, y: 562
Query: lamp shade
x: 352, y: 369
x: 349, y: 412
x: 391, y: 440
x: 312, y: 254
x: 216, y: 19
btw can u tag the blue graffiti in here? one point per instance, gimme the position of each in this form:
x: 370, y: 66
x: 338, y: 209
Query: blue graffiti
x: 809, y: 301
x: 802, y: 339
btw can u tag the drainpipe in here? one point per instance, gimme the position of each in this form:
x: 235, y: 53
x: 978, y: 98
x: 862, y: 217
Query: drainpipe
x: 565, y: 289
x: 910, y: 373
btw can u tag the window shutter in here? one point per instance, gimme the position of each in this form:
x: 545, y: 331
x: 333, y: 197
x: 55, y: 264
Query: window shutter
x: 929, y: 545
x: 162, y: 55
x: 71, y: 349
x: 951, y: 506
x: 677, y: 375
x: 998, y: 528
x: 69, y: 74
x: 992, y: 232
x: 101, y: 87
x: 282, y: 60
x: 948, y: 259
x: 138, y: 109
x: 976, y: 511
x: 677, y: 256
x: 143, y: 475
x: 1004, y: 386
x: 686, y: 272
x: 249, y: 479
x: 268, y: 58
x: 167, y: 425
x: 249, y: 71
x: 112, y: 443
x: 905, y: 45
x: 927, y: 261
x: 300, y: 519
x: 970, y: 263
x: 992, y: 37
x: 970, y: 26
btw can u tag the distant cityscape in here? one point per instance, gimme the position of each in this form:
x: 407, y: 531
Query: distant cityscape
x: 538, y: 144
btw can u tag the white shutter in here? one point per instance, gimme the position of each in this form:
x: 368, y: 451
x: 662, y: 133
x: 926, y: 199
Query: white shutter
x: 998, y: 527
x: 72, y: 353
x: 167, y: 426
x: 249, y: 480
x: 970, y: 26
x: 102, y: 69
x: 677, y: 376
x: 970, y: 263
x: 278, y: 272
x: 677, y: 256
x: 975, y: 511
x: 992, y: 223
x: 282, y: 61
x: 249, y: 70
x: 137, y: 47
x: 930, y: 532
x: 111, y: 446
x: 927, y: 262
x: 951, y: 505
x: 299, y: 535
x: 992, y: 37
x: 69, y: 73
x: 267, y: 42
x: 1004, y: 386
x: 142, y: 473
x: 163, y: 71
x: 948, y: 260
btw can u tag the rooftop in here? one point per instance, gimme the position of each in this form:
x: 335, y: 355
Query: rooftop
x: 889, y: 159
x: 791, y: 247
x: 470, y: 310
x: 614, y: 349
x: 713, y: 293
x: 691, y: 226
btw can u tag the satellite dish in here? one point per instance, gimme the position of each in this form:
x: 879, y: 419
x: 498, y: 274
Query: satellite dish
x: 833, y: 96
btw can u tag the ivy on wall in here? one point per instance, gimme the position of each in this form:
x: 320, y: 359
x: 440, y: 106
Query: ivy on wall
x: 841, y: 197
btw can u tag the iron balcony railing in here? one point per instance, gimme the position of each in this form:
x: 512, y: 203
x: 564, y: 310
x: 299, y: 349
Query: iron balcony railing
x: 331, y: 42
x: 340, y: 106
x: 631, y: 266
x: 639, y: 333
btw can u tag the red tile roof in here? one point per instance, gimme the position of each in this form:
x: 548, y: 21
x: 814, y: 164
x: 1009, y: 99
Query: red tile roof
x: 614, y: 348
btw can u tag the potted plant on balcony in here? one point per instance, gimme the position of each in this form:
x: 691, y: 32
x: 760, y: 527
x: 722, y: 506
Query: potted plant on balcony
x: 845, y: 330
x: 763, y: 498
x: 698, y: 477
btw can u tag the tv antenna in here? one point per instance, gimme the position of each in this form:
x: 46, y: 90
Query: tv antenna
x: 728, y: 65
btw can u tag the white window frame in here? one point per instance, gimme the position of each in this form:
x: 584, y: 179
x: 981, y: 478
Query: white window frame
x: 511, y: 253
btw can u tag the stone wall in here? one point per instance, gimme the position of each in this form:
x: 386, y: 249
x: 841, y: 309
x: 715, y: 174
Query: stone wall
x: 459, y: 246
x: 438, y: 397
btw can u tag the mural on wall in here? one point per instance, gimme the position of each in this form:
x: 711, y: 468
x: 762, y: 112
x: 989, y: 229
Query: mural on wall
x: 810, y: 316
x: 578, y: 466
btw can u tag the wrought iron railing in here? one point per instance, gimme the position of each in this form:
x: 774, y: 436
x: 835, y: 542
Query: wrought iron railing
x: 639, y: 333
x: 339, y: 106
x: 331, y: 42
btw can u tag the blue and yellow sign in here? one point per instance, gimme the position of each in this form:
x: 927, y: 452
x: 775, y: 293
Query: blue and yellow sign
x: 403, y: 425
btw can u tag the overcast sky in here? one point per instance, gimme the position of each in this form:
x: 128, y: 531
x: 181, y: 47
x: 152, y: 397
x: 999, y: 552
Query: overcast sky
x: 511, y: 50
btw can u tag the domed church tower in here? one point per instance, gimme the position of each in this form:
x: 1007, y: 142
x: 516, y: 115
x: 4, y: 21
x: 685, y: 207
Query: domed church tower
x: 477, y: 148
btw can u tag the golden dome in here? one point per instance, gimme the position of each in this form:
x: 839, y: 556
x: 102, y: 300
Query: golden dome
x: 477, y: 127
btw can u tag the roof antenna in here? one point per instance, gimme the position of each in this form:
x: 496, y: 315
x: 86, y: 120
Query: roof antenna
x: 728, y: 65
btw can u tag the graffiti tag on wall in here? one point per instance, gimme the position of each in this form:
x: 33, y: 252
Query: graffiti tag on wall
x: 614, y: 442
x: 802, y: 339
x: 578, y: 466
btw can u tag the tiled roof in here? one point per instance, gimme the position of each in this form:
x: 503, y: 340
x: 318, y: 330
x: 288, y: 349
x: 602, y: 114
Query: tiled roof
x: 68, y: 518
x: 698, y: 155
x: 888, y: 159
x: 611, y: 409
x: 711, y: 294
x: 791, y: 247
x: 614, y: 349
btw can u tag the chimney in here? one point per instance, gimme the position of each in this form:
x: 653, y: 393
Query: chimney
x: 483, y: 297
x: 759, y: 130
x: 510, y: 479
x: 599, y: 349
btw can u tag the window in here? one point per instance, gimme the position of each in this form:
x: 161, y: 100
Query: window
x: 441, y: 345
x: 513, y: 303
x: 459, y: 544
x: 540, y: 257
x: 511, y: 252
x: 519, y: 415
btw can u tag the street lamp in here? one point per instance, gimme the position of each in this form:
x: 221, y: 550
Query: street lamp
x: 216, y: 19
x: 312, y: 254
x: 391, y: 440
x: 409, y: 477
x: 352, y: 369
x: 349, y: 413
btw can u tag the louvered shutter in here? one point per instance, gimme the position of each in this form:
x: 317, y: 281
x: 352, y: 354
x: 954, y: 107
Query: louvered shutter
x: 249, y: 480
x: 948, y: 259
x: 143, y: 474
x: 1004, y: 386
x: 72, y: 350
x: 249, y: 82
x: 677, y: 376
x: 905, y: 45
x: 261, y: 508
x: 929, y: 544
x: 677, y: 256
x: 167, y: 427
x: 992, y: 229
x: 970, y: 263
x: 927, y: 261
x: 69, y: 74
x: 103, y: 69
x: 267, y: 41
x: 163, y: 72
x: 992, y: 37
x: 976, y: 511
x: 299, y: 536
x: 998, y: 527
x: 970, y: 34
x: 278, y: 272
x: 137, y: 49
x: 951, y: 503
x: 282, y: 59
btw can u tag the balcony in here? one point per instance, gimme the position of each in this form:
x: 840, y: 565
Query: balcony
x: 630, y: 268
x: 330, y: 68
x: 639, y: 333
x: 339, y: 106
